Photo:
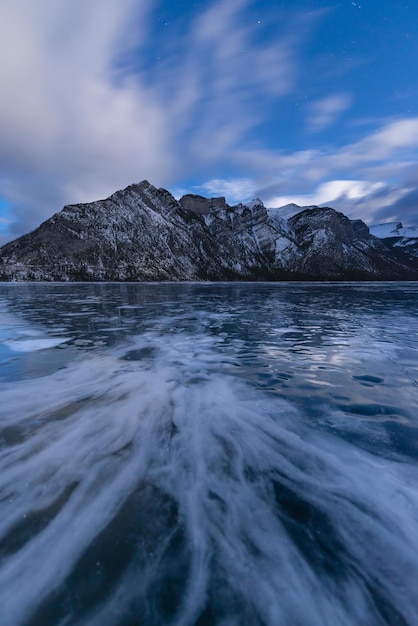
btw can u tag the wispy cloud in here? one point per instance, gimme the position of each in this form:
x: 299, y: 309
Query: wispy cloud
x: 325, y: 112
x: 70, y: 130
x: 87, y: 109
x: 236, y: 190
x: 384, y: 183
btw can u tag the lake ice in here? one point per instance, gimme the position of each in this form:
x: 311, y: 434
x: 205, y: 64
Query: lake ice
x: 209, y: 454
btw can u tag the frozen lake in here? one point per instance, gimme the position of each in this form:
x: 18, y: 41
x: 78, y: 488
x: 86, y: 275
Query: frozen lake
x: 209, y: 454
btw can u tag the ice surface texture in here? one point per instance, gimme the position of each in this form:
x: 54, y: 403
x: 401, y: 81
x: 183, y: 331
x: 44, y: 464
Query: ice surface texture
x: 238, y: 456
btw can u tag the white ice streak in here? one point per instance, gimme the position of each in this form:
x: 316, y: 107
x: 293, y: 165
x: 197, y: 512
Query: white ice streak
x: 226, y: 455
x: 32, y: 345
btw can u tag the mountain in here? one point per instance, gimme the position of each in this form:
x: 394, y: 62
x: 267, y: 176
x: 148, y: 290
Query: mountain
x: 398, y: 237
x: 142, y: 233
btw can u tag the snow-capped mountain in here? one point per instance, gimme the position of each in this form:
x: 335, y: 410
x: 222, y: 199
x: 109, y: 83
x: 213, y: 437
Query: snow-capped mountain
x: 144, y: 233
x: 396, y: 236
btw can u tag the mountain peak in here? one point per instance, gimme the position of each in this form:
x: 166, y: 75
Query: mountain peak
x: 254, y: 202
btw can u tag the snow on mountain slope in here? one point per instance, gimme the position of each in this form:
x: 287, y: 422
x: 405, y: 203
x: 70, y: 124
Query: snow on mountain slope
x: 398, y: 237
x: 287, y: 211
x: 393, y: 229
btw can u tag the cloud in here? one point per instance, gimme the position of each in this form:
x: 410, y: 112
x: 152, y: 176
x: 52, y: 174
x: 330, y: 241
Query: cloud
x: 325, y: 112
x: 240, y: 64
x: 331, y: 191
x: 359, y: 199
x: 211, y: 79
x: 395, y: 140
x: 70, y: 130
x: 92, y: 101
x: 406, y: 206
x: 235, y: 190
x: 382, y: 186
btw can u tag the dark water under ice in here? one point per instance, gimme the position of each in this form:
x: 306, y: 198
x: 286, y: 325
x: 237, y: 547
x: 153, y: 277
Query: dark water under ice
x: 209, y: 454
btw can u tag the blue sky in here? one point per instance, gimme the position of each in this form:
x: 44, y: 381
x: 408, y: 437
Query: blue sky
x: 305, y: 101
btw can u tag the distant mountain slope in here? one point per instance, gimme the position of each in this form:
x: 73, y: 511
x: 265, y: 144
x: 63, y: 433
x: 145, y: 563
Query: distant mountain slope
x: 143, y: 233
x: 398, y: 237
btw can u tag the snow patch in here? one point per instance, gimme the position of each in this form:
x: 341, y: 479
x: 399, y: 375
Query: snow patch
x: 393, y: 229
x: 288, y: 210
x: 253, y: 203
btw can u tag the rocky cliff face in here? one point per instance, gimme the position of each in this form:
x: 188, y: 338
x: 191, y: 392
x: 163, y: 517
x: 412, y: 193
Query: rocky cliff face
x: 143, y: 233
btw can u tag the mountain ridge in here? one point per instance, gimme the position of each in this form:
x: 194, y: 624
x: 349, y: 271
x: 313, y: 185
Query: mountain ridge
x: 143, y: 233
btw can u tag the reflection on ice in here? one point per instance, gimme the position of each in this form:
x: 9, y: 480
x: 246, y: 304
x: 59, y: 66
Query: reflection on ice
x: 199, y: 469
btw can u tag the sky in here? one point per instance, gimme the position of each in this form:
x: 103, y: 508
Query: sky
x: 303, y: 101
